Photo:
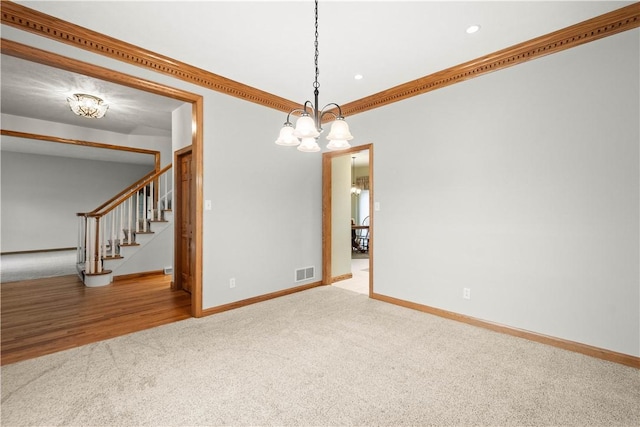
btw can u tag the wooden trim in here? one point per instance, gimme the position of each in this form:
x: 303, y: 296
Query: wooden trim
x: 36, y: 22
x: 27, y: 19
x: 48, y: 26
x: 371, y: 244
x: 626, y: 18
x: 118, y: 199
x: 96, y: 211
x: 341, y: 277
x: 197, y: 141
x: 327, y: 205
x: 43, y: 57
x: 30, y: 53
x: 89, y: 144
x: 261, y: 298
x: 100, y: 273
x: 326, y: 218
x: 611, y: 356
x: 138, y: 275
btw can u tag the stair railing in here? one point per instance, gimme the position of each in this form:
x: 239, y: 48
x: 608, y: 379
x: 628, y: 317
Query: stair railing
x: 115, y: 223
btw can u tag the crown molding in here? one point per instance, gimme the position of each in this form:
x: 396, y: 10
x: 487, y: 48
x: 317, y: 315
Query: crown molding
x: 611, y: 23
x: 617, y: 21
x: 34, y: 54
x: 44, y: 25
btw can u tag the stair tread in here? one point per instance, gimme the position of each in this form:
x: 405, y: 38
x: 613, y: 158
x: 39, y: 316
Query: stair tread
x: 103, y: 272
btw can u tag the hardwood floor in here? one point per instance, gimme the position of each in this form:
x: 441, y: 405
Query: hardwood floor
x: 44, y: 316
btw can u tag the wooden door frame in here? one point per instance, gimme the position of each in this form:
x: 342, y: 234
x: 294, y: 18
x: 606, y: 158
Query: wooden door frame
x: 41, y: 56
x: 327, y: 184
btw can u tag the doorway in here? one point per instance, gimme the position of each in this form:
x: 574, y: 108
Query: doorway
x: 92, y: 71
x: 337, y: 250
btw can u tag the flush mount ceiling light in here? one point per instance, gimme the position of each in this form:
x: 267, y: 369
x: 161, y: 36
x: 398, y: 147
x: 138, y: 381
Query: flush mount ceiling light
x: 309, y: 125
x: 87, y: 105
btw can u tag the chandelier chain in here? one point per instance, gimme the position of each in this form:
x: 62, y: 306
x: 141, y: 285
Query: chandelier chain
x: 316, y: 84
x: 309, y: 125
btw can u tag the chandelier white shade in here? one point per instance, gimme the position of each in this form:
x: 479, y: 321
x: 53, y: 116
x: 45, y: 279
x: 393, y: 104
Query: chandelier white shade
x: 306, y: 127
x: 309, y: 125
x: 309, y: 145
x: 87, y: 106
x: 286, y: 137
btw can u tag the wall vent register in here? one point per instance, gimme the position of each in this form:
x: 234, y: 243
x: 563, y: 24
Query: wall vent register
x: 305, y: 273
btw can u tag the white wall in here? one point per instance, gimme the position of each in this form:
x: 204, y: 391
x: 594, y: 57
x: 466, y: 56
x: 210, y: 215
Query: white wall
x: 363, y: 206
x: 41, y: 196
x: 340, y: 216
x: 522, y: 185
x: 155, y: 255
x: 266, y: 219
x: 61, y: 130
x: 181, y: 127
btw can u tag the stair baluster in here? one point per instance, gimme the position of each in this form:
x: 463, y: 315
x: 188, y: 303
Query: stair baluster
x: 102, y: 231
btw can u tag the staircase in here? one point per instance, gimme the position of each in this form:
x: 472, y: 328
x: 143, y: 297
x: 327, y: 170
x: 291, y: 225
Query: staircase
x: 131, y: 233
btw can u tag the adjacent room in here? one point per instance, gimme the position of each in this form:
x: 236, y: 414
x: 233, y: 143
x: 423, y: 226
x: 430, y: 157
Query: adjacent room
x: 320, y: 213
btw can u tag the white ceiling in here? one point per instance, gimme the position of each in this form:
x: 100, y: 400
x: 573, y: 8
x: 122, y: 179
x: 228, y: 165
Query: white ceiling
x: 40, y: 92
x: 269, y: 45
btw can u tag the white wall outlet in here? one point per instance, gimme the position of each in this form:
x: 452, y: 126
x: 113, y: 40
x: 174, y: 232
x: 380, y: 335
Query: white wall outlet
x: 207, y: 205
x: 232, y: 282
x: 466, y: 293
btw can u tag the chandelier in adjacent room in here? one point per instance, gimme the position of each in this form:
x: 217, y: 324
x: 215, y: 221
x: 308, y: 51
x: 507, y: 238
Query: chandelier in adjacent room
x: 309, y: 125
x: 354, y: 188
x: 87, y: 105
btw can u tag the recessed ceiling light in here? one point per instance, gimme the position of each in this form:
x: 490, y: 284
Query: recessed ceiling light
x: 473, y: 29
x: 358, y: 76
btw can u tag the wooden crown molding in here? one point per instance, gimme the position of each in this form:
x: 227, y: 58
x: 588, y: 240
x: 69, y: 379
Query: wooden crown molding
x: 45, y: 25
x: 30, y: 53
x: 620, y: 20
x: 611, y: 23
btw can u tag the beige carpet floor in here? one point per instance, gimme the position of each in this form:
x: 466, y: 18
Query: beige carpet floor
x: 322, y: 357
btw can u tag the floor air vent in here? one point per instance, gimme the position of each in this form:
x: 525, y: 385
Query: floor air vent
x: 305, y: 273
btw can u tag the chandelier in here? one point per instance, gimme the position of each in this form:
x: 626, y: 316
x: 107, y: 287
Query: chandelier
x: 309, y: 125
x: 354, y: 188
x: 87, y: 105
